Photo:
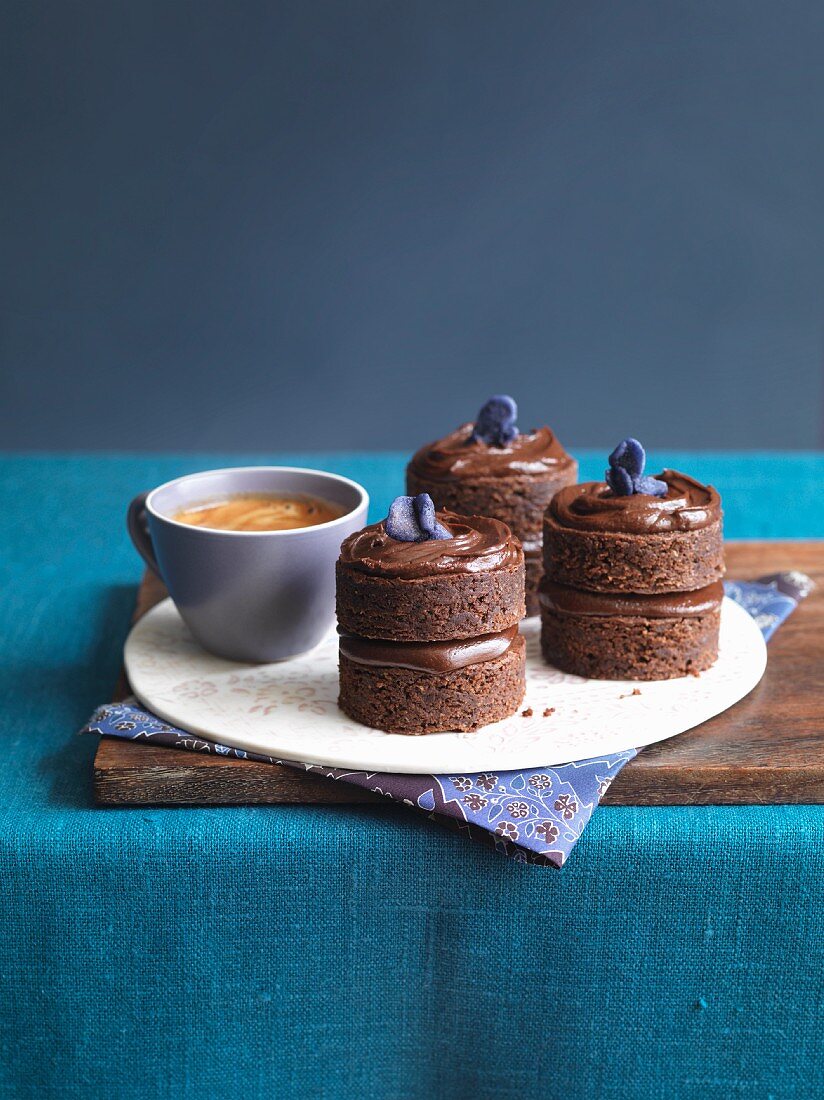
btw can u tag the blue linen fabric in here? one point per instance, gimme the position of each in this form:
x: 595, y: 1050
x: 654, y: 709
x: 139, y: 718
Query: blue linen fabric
x: 285, y: 951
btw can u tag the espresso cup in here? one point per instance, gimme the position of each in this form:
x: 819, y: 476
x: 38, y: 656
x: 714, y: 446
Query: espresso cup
x: 248, y: 595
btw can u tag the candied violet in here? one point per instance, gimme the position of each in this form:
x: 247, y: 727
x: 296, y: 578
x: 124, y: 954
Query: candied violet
x: 412, y: 519
x: 625, y: 475
x: 495, y: 424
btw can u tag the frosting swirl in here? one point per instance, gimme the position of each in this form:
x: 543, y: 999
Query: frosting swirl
x: 428, y: 656
x: 457, y: 455
x: 478, y: 544
x: 592, y: 506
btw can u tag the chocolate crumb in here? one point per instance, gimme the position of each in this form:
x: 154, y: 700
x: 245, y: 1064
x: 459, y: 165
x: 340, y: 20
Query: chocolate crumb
x: 527, y: 713
x: 549, y: 712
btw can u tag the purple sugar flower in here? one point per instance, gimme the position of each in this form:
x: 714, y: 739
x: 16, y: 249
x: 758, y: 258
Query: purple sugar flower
x: 495, y: 424
x: 412, y: 519
x: 625, y: 475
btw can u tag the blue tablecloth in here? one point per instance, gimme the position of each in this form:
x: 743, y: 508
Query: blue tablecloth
x: 297, y: 951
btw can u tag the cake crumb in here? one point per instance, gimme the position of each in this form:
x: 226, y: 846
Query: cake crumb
x: 693, y: 672
x: 527, y: 713
x: 629, y: 694
x: 549, y: 712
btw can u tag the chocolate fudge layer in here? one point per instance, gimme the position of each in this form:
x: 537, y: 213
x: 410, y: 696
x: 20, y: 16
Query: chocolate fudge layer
x: 618, y: 636
x: 597, y: 540
x: 513, y: 481
x: 420, y: 692
x: 434, y: 590
x: 428, y: 610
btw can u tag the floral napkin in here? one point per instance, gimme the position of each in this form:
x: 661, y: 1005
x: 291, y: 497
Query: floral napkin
x: 533, y: 816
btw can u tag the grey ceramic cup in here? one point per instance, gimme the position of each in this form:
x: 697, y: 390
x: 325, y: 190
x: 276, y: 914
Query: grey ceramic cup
x: 248, y: 595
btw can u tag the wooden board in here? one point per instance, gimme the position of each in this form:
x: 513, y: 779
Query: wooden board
x: 769, y: 748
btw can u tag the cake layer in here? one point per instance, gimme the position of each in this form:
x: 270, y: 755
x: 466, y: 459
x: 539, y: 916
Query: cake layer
x: 630, y: 648
x: 601, y: 542
x: 414, y: 702
x: 427, y: 656
x: 564, y: 600
x: 429, y: 609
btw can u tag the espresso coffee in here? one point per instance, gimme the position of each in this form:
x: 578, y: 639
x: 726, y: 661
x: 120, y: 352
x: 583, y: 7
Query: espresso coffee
x: 260, y: 513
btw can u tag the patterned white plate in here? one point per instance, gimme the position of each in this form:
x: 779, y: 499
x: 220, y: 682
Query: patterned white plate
x: 289, y: 709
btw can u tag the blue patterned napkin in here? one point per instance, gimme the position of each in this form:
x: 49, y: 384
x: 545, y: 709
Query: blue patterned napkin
x: 533, y: 816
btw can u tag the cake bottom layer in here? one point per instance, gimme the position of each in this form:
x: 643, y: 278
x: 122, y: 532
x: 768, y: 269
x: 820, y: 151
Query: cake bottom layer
x: 533, y: 572
x: 620, y: 647
x: 404, y: 700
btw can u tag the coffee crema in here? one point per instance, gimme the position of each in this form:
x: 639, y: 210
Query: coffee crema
x: 252, y: 512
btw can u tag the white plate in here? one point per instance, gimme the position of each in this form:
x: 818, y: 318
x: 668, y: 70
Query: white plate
x: 289, y: 709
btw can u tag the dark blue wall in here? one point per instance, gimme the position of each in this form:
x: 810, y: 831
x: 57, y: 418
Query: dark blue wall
x: 337, y: 223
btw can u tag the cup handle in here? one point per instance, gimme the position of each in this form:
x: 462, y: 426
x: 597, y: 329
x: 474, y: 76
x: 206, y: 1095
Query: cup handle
x: 139, y: 531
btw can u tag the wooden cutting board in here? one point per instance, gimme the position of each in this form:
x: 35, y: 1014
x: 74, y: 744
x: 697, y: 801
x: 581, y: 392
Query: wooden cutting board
x: 769, y: 748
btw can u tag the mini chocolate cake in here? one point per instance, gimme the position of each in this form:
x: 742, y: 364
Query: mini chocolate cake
x: 633, y: 566
x: 428, y: 610
x: 489, y: 468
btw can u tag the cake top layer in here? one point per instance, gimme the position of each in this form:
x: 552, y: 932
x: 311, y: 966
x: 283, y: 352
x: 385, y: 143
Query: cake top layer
x: 460, y: 454
x: 476, y: 544
x: 687, y: 505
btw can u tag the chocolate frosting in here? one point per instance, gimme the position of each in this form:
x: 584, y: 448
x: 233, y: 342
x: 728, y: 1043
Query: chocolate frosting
x: 457, y: 456
x: 479, y: 544
x: 428, y: 656
x: 592, y: 506
x: 564, y: 600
